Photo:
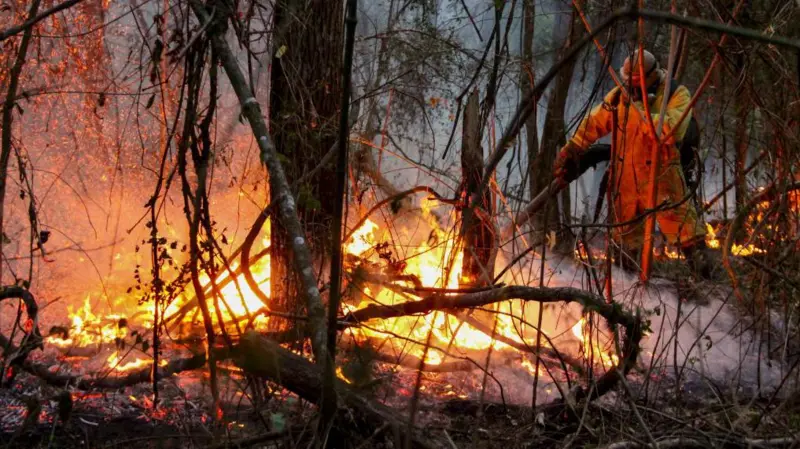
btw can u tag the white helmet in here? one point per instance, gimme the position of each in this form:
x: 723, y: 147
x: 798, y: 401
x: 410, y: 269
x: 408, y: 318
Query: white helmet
x: 650, y: 66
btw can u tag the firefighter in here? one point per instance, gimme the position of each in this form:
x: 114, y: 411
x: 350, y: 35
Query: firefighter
x: 629, y: 188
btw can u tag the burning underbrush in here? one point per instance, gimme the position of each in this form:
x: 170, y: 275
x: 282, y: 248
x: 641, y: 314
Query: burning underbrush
x: 485, y: 352
x: 461, y: 346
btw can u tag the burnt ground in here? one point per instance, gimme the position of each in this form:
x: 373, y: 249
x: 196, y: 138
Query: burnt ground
x: 699, y: 415
x: 705, y: 416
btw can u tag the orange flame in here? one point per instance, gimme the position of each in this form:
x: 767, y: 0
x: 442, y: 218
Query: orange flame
x: 592, y: 350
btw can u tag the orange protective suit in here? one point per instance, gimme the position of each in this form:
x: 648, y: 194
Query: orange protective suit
x: 631, y: 171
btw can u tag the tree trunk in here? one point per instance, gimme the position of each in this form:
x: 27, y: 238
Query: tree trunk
x: 476, y: 228
x: 527, y: 78
x: 741, y: 143
x: 304, y: 104
x: 554, y: 134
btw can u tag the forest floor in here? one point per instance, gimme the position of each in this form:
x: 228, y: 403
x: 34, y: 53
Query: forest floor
x: 700, y: 414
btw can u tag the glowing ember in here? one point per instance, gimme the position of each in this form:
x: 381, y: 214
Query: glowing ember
x: 115, y: 362
x: 341, y: 375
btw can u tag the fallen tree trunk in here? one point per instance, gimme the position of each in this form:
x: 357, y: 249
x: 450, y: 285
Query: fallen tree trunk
x: 143, y: 375
x: 262, y: 357
x: 106, y: 382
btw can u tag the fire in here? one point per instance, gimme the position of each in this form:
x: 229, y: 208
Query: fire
x: 89, y: 329
x: 436, y: 262
x: 115, y: 362
x: 592, y: 350
x: 238, y: 299
x: 362, y: 238
x: 736, y: 249
x: 340, y: 375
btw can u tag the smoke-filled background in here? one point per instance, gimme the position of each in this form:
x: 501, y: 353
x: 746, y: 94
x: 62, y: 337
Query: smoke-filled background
x: 92, y: 141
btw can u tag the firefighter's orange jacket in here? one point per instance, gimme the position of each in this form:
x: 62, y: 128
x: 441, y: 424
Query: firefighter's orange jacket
x: 632, y: 164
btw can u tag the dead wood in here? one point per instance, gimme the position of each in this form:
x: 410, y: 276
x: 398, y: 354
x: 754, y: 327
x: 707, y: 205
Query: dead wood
x: 106, y: 382
x: 611, y: 312
x: 262, y: 357
x: 688, y: 441
x: 477, y: 230
x: 109, y: 382
x: 252, y: 441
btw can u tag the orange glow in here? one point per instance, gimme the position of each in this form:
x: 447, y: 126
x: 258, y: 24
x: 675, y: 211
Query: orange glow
x: 592, y: 350
x: 736, y: 249
x: 115, y: 363
x: 88, y: 329
x: 341, y: 375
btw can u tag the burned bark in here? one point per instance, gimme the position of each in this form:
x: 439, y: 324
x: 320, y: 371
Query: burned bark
x: 279, y: 191
x: 305, y: 95
x: 554, y: 134
x: 477, y: 231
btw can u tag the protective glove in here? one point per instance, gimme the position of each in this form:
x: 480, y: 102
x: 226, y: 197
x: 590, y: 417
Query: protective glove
x: 566, y: 164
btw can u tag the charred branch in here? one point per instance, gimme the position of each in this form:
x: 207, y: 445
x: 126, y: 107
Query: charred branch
x: 611, y: 312
x: 32, y: 339
x: 143, y: 375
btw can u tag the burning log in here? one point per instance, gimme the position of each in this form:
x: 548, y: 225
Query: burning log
x: 612, y: 313
x: 262, y: 357
x: 142, y: 375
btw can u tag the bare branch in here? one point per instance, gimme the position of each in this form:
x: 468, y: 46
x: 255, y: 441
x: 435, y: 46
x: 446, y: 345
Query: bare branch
x: 16, y: 29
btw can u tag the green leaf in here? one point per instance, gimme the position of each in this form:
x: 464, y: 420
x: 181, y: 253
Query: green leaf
x: 306, y: 199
